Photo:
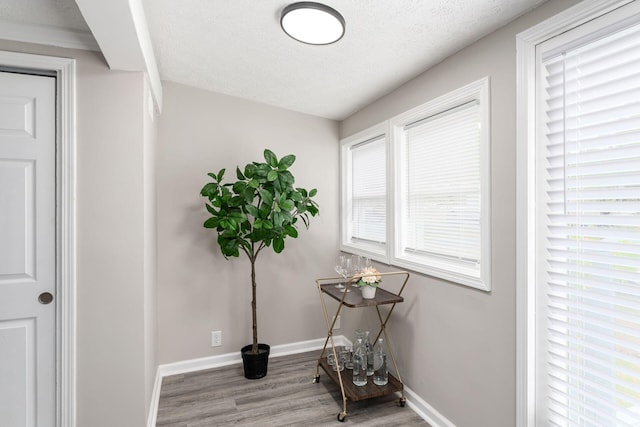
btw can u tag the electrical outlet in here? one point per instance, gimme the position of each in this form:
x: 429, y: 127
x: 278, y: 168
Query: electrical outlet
x: 337, y: 324
x: 216, y: 338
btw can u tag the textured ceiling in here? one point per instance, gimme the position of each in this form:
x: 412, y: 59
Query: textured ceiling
x: 236, y: 47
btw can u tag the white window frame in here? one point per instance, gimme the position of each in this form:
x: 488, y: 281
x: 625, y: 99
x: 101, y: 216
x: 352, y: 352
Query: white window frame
x: 526, y: 232
x: 375, y: 252
x: 393, y: 130
x: 476, y: 91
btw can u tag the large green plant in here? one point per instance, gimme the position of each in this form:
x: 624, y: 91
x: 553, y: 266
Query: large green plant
x: 260, y: 209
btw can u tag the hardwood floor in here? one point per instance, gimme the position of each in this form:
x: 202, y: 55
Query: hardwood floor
x: 285, y: 397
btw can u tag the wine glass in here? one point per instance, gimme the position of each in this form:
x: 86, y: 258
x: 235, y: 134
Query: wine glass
x: 341, y: 269
x: 366, y: 263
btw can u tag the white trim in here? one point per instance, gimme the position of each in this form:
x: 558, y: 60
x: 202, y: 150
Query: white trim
x: 155, y: 400
x: 48, y: 35
x: 144, y: 39
x: 393, y: 130
x: 526, y: 42
x: 129, y: 48
x: 426, y: 411
x: 376, y: 253
x: 415, y: 402
x: 220, y: 360
x: 65, y: 225
x: 477, y: 90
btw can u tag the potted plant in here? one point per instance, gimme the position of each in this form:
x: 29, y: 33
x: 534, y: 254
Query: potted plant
x: 368, y: 280
x: 259, y: 210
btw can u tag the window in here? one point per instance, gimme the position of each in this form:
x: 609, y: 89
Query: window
x: 364, y: 190
x: 438, y: 188
x: 585, y: 225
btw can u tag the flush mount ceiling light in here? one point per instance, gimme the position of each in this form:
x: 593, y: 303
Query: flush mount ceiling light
x: 312, y: 23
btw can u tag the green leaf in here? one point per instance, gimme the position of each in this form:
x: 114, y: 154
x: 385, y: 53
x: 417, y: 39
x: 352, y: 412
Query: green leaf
x: 278, y: 244
x: 239, y: 173
x: 229, y: 224
x: 267, y: 197
x: 271, y: 158
x: 239, y: 186
x: 287, y: 205
x: 287, y: 177
x: 249, y: 194
x: 278, y: 219
x: 254, y: 183
x: 272, y: 175
x: 216, y: 201
x: 220, y: 175
x: 209, y: 190
x: 250, y: 170
x: 291, y: 231
x: 267, y: 225
x: 211, y: 223
x: 252, y: 210
x: 286, y: 162
x: 211, y: 210
x: 230, y: 247
x: 295, y: 196
x: 313, y: 192
x: 287, y: 217
x: 237, y: 216
x: 264, y: 210
x: 262, y: 169
x: 277, y: 184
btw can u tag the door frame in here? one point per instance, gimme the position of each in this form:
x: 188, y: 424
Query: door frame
x: 65, y: 71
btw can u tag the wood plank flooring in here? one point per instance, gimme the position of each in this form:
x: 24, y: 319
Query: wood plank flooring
x: 285, y: 397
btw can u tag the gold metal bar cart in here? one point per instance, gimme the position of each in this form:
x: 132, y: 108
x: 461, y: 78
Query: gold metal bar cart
x: 327, y: 287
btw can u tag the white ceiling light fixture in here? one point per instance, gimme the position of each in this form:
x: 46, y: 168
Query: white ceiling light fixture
x: 312, y: 23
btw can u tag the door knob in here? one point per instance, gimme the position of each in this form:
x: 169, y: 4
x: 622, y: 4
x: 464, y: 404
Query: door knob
x: 45, y: 298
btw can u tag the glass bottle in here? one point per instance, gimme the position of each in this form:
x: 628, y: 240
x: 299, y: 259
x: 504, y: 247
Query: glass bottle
x: 369, y: 354
x: 359, y: 362
x: 380, y: 373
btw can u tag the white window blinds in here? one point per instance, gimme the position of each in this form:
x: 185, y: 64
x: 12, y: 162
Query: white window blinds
x: 368, y: 219
x: 431, y: 211
x: 440, y: 194
x: 589, y: 252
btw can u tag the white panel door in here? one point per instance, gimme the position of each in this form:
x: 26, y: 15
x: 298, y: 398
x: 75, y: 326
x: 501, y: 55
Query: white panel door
x: 27, y: 250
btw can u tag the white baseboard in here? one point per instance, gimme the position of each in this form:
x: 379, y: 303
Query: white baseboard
x: 417, y: 404
x: 155, y: 400
x: 425, y: 411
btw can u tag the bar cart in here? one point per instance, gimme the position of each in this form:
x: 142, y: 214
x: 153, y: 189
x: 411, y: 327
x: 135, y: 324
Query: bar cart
x: 351, y: 297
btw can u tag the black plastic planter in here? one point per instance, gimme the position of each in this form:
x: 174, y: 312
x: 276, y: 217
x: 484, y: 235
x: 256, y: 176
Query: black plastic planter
x: 255, y: 365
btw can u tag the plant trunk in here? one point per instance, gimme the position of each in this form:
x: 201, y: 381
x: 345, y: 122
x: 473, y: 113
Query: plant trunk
x: 254, y: 312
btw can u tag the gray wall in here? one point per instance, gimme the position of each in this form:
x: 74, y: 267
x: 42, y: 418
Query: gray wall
x: 115, y: 319
x: 457, y: 345
x: 198, y: 290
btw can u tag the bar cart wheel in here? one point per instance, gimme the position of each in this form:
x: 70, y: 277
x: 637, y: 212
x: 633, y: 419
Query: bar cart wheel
x: 316, y: 379
x: 342, y: 416
x: 403, y: 402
